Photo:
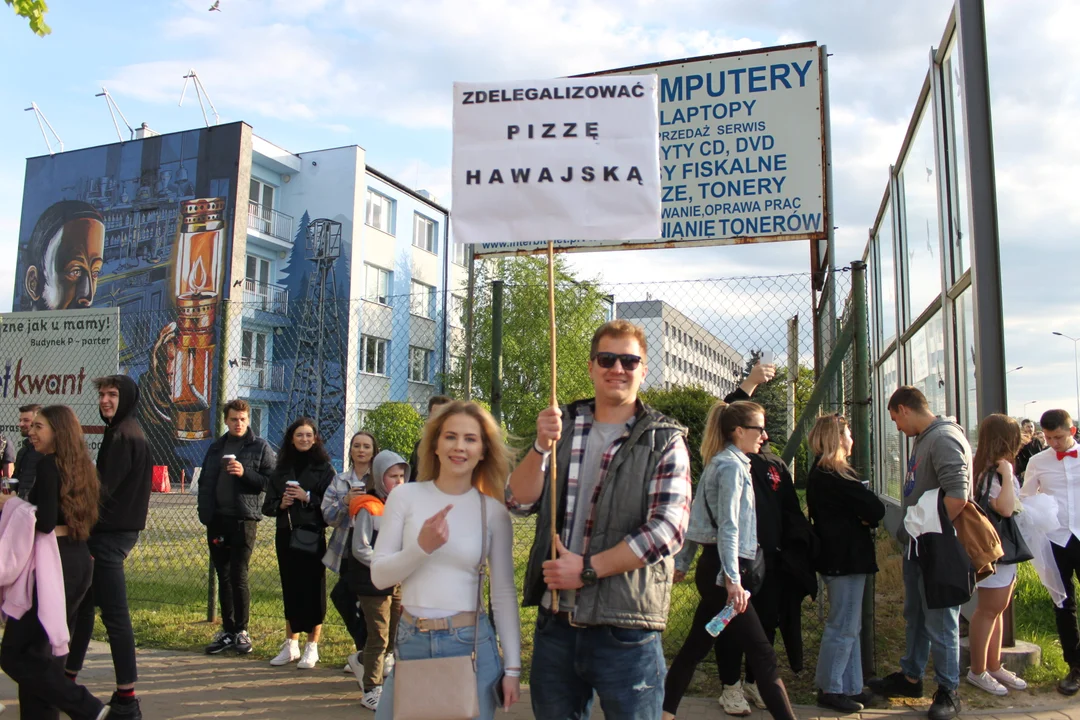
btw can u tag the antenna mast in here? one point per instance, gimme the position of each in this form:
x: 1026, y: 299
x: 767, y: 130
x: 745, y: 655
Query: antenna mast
x: 200, y: 91
x: 43, y: 122
x: 114, y: 110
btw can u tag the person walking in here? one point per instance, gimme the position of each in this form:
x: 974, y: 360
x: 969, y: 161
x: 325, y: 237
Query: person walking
x: 723, y: 522
x: 26, y: 458
x: 235, y: 471
x: 126, y: 472
x: 844, y: 512
x: 64, y: 501
x: 294, y: 496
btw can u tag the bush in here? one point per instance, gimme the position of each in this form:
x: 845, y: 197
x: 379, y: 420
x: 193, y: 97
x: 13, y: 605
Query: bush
x: 396, y: 425
x: 690, y: 406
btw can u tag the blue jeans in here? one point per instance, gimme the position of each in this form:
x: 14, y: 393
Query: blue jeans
x: 929, y: 632
x: 412, y: 644
x: 624, y: 666
x: 839, y: 666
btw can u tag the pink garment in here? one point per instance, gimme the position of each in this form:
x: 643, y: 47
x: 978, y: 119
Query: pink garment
x: 26, y: 557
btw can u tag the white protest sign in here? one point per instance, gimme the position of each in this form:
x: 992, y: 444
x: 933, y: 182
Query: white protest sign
x: 540, y: 160
x: 742, y: 148
x: 51, y: 357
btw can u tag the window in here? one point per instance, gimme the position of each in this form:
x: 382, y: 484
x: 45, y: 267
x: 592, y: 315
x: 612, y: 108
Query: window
x: 423, y: 235
x: 457, y: 311
x: 261, y: 194
x: 256, y: 416
x: 458, y: 253
x: 422, y: 300
x: 922, y: 244
x: 376, y: 284
x: 258, y: 269
x: 374, y: 354
x: 253, y: 348
x: 419, y: 364
x: 380, y: 212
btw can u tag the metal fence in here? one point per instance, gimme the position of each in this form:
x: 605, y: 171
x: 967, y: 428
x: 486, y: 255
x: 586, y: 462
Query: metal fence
x: 348, y: 363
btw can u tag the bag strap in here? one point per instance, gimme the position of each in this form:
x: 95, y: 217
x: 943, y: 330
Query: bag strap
x: 481, y: 574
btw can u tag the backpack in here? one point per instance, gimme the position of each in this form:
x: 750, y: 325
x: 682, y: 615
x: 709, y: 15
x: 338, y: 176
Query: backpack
x: 979, y: 538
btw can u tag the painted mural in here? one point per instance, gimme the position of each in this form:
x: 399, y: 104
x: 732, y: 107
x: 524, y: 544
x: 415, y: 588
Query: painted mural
x: 142, y: 226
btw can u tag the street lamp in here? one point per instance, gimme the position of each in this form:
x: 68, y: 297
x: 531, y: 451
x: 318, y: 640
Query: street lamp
x: 1018, y: 367
x: 1076, y: 366
x: 1029, y: 402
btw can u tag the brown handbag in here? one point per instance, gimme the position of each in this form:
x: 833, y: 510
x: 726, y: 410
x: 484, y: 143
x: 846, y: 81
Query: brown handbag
x: 443, y: 688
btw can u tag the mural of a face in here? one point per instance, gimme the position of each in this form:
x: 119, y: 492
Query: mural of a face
x: 66, y: 255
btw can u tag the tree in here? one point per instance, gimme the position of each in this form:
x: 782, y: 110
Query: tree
x: 34, y: 11
x: 580, y: 307
x: 690, y: 406
x: 773, y: 397
x: 396, y: 425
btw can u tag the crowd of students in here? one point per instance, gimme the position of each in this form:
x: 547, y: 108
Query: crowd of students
x: 413, y: 543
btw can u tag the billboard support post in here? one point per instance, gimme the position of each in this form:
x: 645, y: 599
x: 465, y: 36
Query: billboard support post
x: 554, y: 403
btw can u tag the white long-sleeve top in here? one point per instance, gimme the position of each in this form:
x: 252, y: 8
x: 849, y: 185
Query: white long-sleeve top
x: 446, y: 579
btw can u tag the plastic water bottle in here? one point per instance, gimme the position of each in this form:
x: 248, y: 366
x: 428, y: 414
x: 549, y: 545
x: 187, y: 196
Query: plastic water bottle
x: 718, y: 623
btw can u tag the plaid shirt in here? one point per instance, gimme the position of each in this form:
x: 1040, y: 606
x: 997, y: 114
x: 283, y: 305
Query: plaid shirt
x: 336, y: 515
x: 662, y: 533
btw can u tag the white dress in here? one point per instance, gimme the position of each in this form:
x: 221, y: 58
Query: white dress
x: 1005, y: 573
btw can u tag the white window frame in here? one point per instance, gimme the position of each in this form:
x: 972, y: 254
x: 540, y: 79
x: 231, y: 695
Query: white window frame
x: 459, y: 254
x: 258, y: 417
x: 251, y: 339
x: 379, y: 211
x: 425, y: 234
x: 382, y: 281
x: 457, y: 310
x: 420, y: 364
x: 422, y: 299
x: 381, y: 348
x: 263, y: 187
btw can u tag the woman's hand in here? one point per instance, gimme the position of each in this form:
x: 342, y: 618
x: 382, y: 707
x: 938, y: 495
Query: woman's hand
x: 738, y: 597
x: 679, y: 576
x: 351, y: 495
x: 1004, y: 468
x: 286, y: 500
x: 511, y: 691
x: 435, y: 531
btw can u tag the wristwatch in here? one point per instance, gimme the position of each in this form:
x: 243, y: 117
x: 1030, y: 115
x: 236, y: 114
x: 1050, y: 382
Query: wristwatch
x: 588, y: 575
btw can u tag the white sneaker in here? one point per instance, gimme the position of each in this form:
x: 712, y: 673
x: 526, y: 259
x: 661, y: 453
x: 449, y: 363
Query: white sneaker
x: 733, y: 701
x: 371, y: 698
x: 290, y: 652
x: 387, y: 664
x: 357, y: 669
x: 310, y: 658
x: 752, y: 694
x: 986, y: 683
x: 1008, y: 678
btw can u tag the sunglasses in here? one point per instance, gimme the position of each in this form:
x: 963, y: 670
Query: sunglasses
x: 607, y: 360
x: 760, y: 430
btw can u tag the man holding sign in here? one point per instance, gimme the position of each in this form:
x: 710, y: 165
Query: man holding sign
x: 624, y: 503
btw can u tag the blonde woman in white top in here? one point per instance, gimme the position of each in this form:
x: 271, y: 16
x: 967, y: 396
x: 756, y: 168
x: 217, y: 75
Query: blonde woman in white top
x: 430, y: 543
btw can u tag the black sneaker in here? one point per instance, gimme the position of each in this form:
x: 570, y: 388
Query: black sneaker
x: 864, y: 698
x: 242, y: 642
x: 895, y: 685
x: 838, y: 702
x: 946, y: 705
x: 221, y: 642
x: 1070, y: 684
x: 121, y: 708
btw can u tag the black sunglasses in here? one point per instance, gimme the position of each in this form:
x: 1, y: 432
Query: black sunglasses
x: 761, y: 430
x: 607, y: 360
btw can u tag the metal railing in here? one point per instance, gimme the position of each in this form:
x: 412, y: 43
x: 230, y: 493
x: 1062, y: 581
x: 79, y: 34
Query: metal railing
x: 270, y: 222
x: 261, y: 375
x: 266, y: 296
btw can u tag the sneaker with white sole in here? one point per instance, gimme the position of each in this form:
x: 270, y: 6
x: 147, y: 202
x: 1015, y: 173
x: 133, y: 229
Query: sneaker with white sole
x: 290, y: 652
x: 357, y: 669
x: 310, y: 657
x: 387, y: 664
x: 1008, y: 678
x: 242, y: 642
x: 753, y: 695
x: 986, y: 683
x: 733, y: 701
x: 371, y: 698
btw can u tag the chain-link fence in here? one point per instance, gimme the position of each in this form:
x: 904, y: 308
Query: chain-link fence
x: 374, y: 364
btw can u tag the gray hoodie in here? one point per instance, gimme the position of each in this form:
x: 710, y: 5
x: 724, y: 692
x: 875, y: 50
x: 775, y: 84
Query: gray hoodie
x: 364, y: 525
x: 940, y: 458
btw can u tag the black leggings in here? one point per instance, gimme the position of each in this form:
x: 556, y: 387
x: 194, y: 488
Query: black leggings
x: 745, y: 629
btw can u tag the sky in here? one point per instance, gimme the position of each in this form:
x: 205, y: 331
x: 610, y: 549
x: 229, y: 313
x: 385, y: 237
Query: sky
x: 310, y: 74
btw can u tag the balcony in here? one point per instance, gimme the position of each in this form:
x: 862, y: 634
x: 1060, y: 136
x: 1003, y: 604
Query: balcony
x: 266, y: 296
x: 270, y: 222
x: 261, y: 375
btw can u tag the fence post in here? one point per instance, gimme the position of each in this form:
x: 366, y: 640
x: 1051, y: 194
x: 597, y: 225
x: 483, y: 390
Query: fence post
x: 860, y: 429
x: 469, y: 300
x: 211, y: 593
x: 496, y: 349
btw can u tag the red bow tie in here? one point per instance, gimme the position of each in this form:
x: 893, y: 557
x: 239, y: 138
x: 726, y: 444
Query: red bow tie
x: 1070, y: 453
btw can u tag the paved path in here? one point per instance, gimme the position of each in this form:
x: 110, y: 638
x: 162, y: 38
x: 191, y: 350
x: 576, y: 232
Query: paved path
x: 178, y: 685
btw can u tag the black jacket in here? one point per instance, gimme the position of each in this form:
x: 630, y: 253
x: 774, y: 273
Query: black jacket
x: 315, y: 478
x: 124, y: 465
x: 844, y: 513
x: 258, y: 459
x: 26, y: 461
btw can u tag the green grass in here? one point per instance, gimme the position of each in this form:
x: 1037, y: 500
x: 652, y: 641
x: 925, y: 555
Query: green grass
x: 167, y: 587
